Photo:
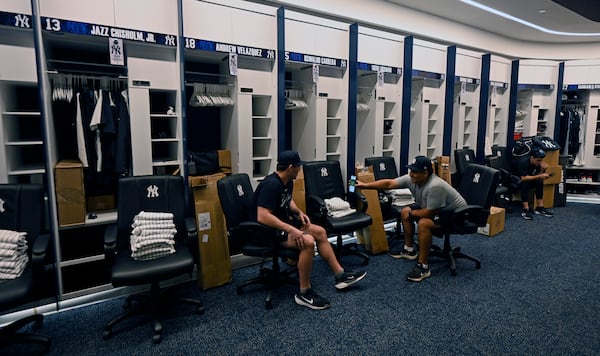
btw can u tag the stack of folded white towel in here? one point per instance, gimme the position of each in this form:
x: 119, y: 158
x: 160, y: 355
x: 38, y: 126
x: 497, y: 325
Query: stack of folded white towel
x: 401, y: 197
x: 337, y: 207
x: 153, y: 235
x: 13, y: 253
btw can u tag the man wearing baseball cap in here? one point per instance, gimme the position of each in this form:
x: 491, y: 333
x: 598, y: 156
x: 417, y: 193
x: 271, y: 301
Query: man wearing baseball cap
x: 434, y: 198
x: 532, y: 171
x: 276, y: 208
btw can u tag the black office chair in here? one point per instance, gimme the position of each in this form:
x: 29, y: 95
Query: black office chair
x: 150, y: 194
x: 22, y: 210
x: 323, y: 180
x: 384, y: 167
x: 254, y: 239
x: 503, y: 194
x: 462, y: 158
x: 502, y: 160
x: 478, y: 187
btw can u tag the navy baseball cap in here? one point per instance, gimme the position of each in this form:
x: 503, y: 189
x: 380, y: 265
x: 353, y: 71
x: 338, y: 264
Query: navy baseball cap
x: 289, y: 157
x: 538, y: 153
x: 420, y: 164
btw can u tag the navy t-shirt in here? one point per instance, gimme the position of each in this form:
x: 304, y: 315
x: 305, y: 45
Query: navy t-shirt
x: 272, y: 194
x: 525, y: 168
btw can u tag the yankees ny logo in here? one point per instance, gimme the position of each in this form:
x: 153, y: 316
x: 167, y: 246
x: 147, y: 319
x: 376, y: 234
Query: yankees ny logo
x: 152, y: 191
x: 2, y: 206
x: 476, y: 178
x: 240, y: 190
x: 382, y: 167
x: 324, y: 172
x: 22, y: 21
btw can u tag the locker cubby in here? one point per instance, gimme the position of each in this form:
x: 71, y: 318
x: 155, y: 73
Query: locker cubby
x: 261, y: 127
x: 534, y: 113
x: 25, y: 159
x: 22, y: 126
x: 161, y: 101
x: 261, y: 168
x: 333, y: 144
x: 163, y: 127
x: 261, y: 105
x: 427, y: 117
x: 261, y: 147
x: 497, y: 120
x: 333, y: 108
x: 333, y: 126
x: 22, y: 153
x: 165, y: 153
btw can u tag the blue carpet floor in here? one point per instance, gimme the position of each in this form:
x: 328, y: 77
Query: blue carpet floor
x: 537, y: 293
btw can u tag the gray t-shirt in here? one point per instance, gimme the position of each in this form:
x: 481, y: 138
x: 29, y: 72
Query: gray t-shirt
x: 435, y: 194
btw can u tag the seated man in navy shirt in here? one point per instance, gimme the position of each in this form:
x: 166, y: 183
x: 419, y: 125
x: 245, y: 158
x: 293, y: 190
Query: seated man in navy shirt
x: 275, y: 208
x: 532, y: 172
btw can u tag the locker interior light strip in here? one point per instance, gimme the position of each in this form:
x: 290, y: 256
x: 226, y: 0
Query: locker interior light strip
x: 527, y: 23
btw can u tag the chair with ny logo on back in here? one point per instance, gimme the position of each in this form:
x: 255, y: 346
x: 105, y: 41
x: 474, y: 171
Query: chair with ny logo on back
x: 134, y: 261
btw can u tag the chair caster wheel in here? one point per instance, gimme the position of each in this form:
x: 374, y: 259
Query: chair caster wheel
x: 157, y: 338
x: 107, y: 334
x: 201, y: 310
x: 269, y: 304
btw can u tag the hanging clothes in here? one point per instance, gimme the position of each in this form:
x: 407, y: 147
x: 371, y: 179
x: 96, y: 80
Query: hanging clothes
x: 81, y: 149
x: 123, y: 139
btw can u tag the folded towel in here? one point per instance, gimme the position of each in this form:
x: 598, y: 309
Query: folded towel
x: 10, y: 236
x: 153, y: 230
x: 147, y: 215
x: 341, y: 213
x: 152, y: 252
x: 137, y: 242
x: 400, y: 192
x: 335, y: 204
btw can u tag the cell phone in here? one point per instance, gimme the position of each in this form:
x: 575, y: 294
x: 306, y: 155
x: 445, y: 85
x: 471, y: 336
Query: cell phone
x: 352, y: 184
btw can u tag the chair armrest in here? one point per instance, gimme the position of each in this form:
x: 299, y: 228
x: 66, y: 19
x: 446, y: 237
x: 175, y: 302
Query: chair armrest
x: 190, y: 227
x: 473, y: 213
x: 357, y: 201
x: 110, y: 243
x: 256, y: 233
x: 40, y: 249
x: 316, y: 207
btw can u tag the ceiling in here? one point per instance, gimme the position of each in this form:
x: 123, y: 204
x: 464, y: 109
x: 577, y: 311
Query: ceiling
x: 548, y: 14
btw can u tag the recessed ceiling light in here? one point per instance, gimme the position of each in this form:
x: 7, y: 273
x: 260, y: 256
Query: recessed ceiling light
x: 491, y: 10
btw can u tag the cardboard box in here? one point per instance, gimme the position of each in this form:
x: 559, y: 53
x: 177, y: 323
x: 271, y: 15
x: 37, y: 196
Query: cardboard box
x: 495, y: 222
x: 555, y: 175
x: 374, y: 236
x: 70, y: 193
x: 225, y: 161
x: 215, y: 261
x: 299, y: 193
x: 443, y: 168
x: 552, y: 157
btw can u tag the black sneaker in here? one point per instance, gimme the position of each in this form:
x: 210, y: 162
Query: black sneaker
x: 418, y: 273
x: 349, y: 278
x: 404, y: 254
x: 543, y: 212
x: 312, y: 300
x: 526, y: 214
